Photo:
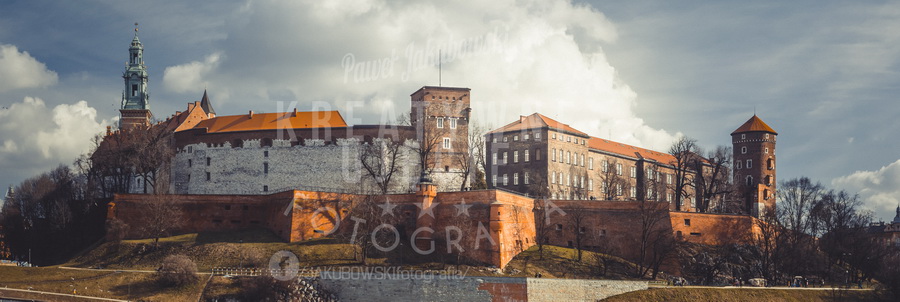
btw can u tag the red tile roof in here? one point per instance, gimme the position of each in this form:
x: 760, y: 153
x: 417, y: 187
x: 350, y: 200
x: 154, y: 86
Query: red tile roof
x: 537, y: 120
x: 273, y: 121
x: 754, y: 124
x: 629, y: 150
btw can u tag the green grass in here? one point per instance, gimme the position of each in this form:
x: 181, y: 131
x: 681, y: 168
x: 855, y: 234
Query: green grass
x: 118, y: 285
x: 688, y: 294
x: 561, y: 262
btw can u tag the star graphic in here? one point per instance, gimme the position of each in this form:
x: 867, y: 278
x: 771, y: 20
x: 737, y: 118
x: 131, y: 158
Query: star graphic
x: 387, y: 208
x: 429, y: 210
x: 462, y: 208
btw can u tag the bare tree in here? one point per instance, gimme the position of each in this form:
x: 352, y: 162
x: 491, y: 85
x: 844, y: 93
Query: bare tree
x: 380, y: 160
x: 613, y: 180
x: 713, y: 180
x: 684, y: 151
x: 366, y: 216
x: 655, y: 243
x: 471, y: 163
x: 577, y: 217
x: 161, y: 216
x: 541, y: 224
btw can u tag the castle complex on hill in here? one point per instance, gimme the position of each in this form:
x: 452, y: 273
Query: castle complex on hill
x: 302, y: 174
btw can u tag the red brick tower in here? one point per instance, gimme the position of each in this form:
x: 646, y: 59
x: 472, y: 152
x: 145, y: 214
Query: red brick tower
x: 754, y: 165
x: 440, y: 116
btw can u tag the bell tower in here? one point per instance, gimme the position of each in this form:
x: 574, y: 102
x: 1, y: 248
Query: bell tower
x: 135, y: 109
x: 754, y: 165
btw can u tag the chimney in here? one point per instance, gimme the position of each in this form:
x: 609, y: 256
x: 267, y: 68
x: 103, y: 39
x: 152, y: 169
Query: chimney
x: 521, y: 118
x: 251, y: 113
x: 108, y: 130
x: 295, y: 111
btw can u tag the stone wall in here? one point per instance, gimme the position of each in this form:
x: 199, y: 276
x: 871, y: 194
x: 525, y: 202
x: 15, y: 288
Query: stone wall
x: 412, y: 287
x: 255, y: 169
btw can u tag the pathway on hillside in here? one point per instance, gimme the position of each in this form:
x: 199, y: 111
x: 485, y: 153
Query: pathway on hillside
x: 36, y: 294
x: 754, y: 287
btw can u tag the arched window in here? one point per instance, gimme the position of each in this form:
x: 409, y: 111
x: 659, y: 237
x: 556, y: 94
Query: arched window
x: 237, y: 143
x: 749, y: 180
x: 770, y: 164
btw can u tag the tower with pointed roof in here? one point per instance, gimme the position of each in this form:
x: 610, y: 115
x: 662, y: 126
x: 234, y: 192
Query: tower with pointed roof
x: 754, y: 165
x: 135, y: 111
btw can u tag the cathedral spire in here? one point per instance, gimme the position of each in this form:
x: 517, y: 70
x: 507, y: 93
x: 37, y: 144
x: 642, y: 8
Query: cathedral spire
x: 135, y: 99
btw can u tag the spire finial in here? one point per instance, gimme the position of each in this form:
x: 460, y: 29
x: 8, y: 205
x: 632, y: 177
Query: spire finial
x: 135, y: 27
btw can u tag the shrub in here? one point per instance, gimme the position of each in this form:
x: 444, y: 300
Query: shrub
x: 177, y: 270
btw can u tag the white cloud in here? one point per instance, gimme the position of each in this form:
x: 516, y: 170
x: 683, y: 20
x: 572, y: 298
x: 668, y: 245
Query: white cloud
x: 519, y: 57
x: 880, y: 189
x: 21, y: 70
x: 192, y: 76
x: 32, y: 142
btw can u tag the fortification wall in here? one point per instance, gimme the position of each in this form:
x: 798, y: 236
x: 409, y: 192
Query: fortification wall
x: 255, y: 169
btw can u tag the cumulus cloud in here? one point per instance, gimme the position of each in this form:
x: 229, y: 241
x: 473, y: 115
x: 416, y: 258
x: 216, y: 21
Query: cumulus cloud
x: 519, y: 57
x: 879, y: 189
x: 36, y: 138
x: 21, y: 70
x: 191, y: 76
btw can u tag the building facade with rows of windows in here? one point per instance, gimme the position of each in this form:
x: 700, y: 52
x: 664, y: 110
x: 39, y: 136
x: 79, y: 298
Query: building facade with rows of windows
x: 541, y: 157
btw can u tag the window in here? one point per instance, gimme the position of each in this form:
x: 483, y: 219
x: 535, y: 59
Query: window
x: 669, y: 179
x: 494, y: 180
x: 515, y: 138
x: 687, y: 222
x: 604, y: 166
x: 505, y: 139
x: 208, y: 161
x: 749, y: 180
x: 568, y: 139
x: 590, y: 184
x: 669, y: 196
x: 266, y: 168
x: 582, y: 160
x: 604, y: 189
x: 537, y: 154
x: 766, y: 194
x: 537, y: 135
x: 525, y: 178
x: 749, y: 163
x: 446, y: 143
x: 582, y: 182
x: 696, y: 234
x: 559, y: 227
x: 561, y: 155
x: 266, y: 153
x: 553, y: 154
x: 767, y: 150
x: 453, y: 123
x: 190, y: 163
x: 568, y: 179
x: 618, y: 189
x: 515, y: 156
x: 494, y: 139
x: 495, y: 158
x: 208, y: 176
x: 767, y: 136
x: 770, y: 163
x: 581, y: 230
x: 768, y: 180
x: 265, y: 189
x: 633, y: 172
x: 440, y: 122
x: 633, y: 192
x: 740, y: 164
x: 568, y: 157
x: 516, y: 179
x: 744, y: 150
x: 554, y: 135
x: 505, y: 179
x: 590, y: 163
x: 134, y: 90
x: 526, y: 156
x: 526, y: 136
x: 553, y: 177
x: 619, y: 169
x: 743, y: 136
x: 505, y: 158
x: 602, y: 233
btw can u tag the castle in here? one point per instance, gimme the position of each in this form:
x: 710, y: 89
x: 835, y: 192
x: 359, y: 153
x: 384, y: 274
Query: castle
x: 303, y: 174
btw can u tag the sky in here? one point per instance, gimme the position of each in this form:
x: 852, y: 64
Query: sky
x: 821, y: 73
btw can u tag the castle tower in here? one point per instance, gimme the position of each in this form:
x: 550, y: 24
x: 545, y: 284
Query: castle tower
x: 440, y: 116
x: 135, y: 109
x: 754, y: 165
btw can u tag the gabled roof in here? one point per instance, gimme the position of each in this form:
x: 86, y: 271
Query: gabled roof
x: 754, y: 124
x: 206, y: 105
x: 629, y: 150
x: 273, y: 121
x: 536, y: 121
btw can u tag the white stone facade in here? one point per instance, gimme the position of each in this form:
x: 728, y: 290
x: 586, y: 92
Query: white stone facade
x: 314, y: 165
